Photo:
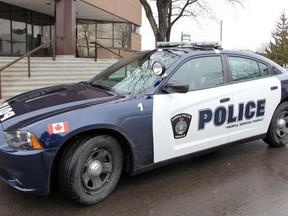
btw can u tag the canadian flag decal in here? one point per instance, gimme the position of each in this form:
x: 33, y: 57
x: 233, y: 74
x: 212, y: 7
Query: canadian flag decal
x: 59, y: 127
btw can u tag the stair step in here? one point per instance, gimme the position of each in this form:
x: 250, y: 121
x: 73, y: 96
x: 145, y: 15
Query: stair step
x: 46, y: 72
x: 59, y: 71
x: 37, y: 82
x: 46, y: 76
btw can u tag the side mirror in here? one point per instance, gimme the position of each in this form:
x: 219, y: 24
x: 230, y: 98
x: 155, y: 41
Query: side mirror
x: 176, y: 87
x: 158, y: 68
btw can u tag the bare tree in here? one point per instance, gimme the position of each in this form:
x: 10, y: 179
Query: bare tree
x: 170, y: 11
x: 261, y: 49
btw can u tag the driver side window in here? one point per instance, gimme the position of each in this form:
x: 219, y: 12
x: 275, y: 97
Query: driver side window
x: 200, y: 73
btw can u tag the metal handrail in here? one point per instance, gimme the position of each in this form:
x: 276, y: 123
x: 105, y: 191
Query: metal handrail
x: 31, y: 52
x: 96, y: 55
x: 28, y: 56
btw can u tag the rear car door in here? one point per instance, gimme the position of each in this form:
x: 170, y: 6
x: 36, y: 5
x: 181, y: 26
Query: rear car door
x: 184, y: 123
x: 256, y: 95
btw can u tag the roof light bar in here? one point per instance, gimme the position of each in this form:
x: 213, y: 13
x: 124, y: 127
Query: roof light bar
x: 198, y: 44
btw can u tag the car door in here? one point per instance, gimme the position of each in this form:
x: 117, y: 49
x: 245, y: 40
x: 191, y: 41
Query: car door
x: 189, y: 122
x: 256, y: 95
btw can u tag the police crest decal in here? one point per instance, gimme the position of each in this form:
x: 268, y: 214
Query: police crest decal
x: 180, y: 125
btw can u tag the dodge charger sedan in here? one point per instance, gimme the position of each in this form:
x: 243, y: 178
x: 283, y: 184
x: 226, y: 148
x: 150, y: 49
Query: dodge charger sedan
x: 144, y: 111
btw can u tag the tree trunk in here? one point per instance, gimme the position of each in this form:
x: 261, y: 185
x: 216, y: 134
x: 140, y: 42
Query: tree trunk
x: 163, y: 8
x: 168, y: 33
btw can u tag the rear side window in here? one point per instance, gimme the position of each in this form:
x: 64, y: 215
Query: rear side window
x: 276, y: 70
x: 243, y: 69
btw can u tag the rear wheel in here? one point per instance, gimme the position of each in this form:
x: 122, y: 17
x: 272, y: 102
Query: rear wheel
x: 277, y: 135
x: 90, y: 169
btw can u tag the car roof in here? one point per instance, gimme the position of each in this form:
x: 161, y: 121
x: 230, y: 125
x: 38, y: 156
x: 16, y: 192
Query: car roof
x: 206, y: 47
x: 192, y: 51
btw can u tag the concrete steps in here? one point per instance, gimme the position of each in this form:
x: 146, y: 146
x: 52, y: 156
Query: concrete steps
x: 46, y: 72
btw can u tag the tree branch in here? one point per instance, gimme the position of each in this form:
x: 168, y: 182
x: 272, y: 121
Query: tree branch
x: 150, y: 17
x: 188, y: 2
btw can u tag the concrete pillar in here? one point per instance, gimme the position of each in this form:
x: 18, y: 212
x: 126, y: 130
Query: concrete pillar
x: 65, y: 27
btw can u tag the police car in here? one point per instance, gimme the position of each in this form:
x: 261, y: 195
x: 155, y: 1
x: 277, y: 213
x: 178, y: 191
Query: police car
x: 142, y: 112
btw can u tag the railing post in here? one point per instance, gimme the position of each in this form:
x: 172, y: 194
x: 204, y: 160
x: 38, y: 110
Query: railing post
x: 0, y: 86
x: 54, y: 48
x: 29, y: 67
x: 96, y: 53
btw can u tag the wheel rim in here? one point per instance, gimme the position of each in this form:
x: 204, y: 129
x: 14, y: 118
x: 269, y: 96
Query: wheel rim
x: 97, y: 171
x: 282, y: 125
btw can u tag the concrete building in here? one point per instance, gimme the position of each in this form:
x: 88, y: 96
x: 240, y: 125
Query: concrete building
x: 114, y: 24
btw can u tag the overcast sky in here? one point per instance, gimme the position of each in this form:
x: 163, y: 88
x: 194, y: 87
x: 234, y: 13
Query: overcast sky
x: 243, y: 28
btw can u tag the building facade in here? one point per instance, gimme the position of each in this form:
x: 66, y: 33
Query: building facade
x: 78, y: 24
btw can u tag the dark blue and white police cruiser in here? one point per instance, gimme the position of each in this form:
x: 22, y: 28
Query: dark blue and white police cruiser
x: 142, y: 112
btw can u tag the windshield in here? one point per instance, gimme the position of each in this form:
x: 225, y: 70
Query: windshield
x: 133, y: 74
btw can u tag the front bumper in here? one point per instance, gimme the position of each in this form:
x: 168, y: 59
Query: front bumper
x: 26, y: 170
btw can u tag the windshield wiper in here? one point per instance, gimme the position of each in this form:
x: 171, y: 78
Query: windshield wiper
x: 83, y: 82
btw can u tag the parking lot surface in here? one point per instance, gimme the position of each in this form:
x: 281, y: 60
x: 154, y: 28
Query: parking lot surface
x: 248, y: 179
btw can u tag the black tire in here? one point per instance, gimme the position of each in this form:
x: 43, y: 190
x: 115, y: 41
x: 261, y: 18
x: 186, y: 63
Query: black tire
x: 90, y: 169
x: 277, y: 135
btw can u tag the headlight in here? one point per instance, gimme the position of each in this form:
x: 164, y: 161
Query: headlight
x: 22, y: 139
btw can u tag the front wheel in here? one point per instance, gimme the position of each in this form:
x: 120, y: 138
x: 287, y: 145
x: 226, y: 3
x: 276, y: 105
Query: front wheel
x: 90, y: 169
x: 277, y: 135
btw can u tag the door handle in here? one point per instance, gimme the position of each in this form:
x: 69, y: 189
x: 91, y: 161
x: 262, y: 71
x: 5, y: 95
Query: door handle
x: 274, y: 88
x: 223, y: 100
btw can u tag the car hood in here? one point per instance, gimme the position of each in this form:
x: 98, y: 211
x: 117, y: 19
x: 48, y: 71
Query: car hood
x: 51, y: 101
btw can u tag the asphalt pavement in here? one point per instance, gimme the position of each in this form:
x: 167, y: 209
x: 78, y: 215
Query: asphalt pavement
x: 248, y: 179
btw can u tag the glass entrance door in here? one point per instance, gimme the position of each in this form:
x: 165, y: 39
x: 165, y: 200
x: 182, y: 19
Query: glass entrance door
x: 19, y: 30
x: 5, y: 30
x: 23, y: 30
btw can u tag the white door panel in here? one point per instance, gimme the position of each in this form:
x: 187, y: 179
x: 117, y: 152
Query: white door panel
x: 199, y: 134
x: 263, y: 102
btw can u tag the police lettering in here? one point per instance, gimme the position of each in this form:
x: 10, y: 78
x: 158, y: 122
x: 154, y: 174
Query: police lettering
x: 6, y: 111
x: 228, y: 114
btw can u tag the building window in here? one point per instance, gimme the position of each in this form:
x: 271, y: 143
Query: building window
x: 86, y: 33
x: 107, y: 34
x: 135, y: 29
x: 121, y: 35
